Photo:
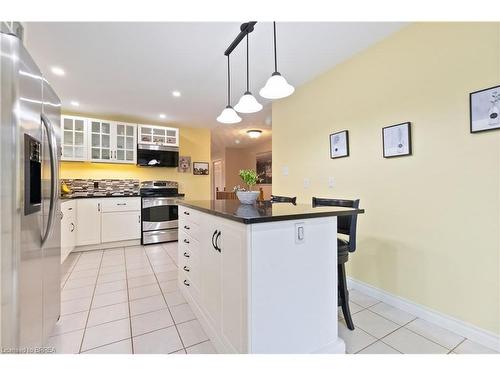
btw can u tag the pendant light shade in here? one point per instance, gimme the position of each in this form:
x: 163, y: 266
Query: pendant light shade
x: 228, y: 114
x: 276, y: 86
x: 248, y: 103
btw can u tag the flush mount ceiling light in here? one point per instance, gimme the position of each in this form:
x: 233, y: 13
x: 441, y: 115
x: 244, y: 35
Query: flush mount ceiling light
x: 176, y: 93
x: 58, y: 71
x: 162, y: 115
x: 74, y: 103
x: 276, y: 86
x: 228, y: 114
x: 248, y: 103
x: 254, y: 133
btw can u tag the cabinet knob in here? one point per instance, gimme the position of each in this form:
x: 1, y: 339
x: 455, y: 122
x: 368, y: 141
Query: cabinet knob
x: 185, y: 268
x: 186, y: 283
x: 186, y: 255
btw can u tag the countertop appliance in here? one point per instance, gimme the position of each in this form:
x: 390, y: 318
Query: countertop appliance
x: 159, y: 211
x: 30, y: 215
x: 157, y: 155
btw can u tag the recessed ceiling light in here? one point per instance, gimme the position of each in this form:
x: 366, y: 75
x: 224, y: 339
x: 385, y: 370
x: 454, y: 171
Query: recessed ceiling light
x: 237, y: 141
x: 162, y: 115
x: 74, y: 103
x: 254, y: 133
x: 176, y: 93
x: 58, y: 71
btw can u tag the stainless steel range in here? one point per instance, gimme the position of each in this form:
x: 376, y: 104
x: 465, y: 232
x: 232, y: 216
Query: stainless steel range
x: 159, y: 211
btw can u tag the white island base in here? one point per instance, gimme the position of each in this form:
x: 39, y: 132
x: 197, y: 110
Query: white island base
x: 267, y: 287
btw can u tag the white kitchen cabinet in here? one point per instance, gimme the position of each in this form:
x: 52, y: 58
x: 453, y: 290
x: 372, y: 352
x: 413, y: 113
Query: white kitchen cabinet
x: 158, y: 135
x: 68, y: 228
x: 124, y: 141
x: 88, y: 219
x: 105, y: 220
x: 74, y: 138
x: 264, y: 288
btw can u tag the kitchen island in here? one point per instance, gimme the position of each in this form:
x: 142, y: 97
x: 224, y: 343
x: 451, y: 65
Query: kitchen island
x: 262, y: 278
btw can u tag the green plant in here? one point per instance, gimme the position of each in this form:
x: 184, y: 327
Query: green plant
x: 249, y: 177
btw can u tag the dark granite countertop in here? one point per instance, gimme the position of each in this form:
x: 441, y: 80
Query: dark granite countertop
x: 262, y: 212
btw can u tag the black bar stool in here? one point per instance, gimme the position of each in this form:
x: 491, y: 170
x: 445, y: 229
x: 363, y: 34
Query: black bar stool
x: 345, y: 225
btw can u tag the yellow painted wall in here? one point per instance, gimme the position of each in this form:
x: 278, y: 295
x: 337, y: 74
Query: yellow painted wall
x: 430, y: 233
x: 194, y: 142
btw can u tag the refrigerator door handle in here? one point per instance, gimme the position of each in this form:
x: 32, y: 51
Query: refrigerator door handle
x: 53, y: 176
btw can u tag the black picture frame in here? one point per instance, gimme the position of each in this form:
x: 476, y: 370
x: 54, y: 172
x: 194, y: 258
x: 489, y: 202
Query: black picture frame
x: 344, y: 155
x: 408, y: 140
x: 201, y: 168
x: 471, y: 114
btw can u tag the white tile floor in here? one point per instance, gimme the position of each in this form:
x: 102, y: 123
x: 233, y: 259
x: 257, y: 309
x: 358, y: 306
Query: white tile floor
x: 126, y: 300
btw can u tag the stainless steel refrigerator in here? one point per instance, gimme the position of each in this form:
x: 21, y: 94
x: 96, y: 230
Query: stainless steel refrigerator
x: 30, y: 215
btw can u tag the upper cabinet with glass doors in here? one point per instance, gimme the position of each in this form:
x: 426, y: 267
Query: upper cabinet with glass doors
x: 158, y: 135
x: 88, y: 139
x: 74, y: 138
x: 112, y: 142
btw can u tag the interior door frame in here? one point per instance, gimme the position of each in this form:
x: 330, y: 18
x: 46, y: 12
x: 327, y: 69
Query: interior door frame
x: 221, y: 161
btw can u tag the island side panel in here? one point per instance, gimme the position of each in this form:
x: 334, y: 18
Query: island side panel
x: 293, y: 287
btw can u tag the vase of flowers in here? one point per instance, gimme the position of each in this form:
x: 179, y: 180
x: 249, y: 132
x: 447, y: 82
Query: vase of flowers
x: 250, y: 178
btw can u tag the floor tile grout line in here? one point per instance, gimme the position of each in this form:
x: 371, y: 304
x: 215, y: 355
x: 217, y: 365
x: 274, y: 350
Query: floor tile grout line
x: 163, y: 295
x: 111, y: 343
x: 71, y: 271
x: 91, y: 301
x: 405, y: 325
x: 456, y: 346
x: 128, y: 304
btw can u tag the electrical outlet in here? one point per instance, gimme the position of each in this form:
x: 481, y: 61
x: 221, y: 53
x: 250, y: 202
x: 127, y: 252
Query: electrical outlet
x: 330, y: 182
x: 285, y: 170
x: 307, y: 183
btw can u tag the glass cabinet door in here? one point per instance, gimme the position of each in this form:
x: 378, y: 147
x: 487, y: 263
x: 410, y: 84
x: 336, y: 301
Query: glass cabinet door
x: 125, y: 143
x: 73, y: 138
x: 100, y: 140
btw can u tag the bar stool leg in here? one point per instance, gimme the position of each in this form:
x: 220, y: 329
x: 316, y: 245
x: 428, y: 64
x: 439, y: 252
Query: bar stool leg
x: 344, y: 296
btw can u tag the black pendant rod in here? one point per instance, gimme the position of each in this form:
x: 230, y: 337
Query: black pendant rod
x: 228, y: 83
x: 275, y: 58
x: 247, y: 66
x: 245, y: 29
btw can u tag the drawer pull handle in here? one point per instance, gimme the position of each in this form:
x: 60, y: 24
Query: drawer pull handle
x: 186, y: 227
x: 186, y: 255
x: 121, y: 204
x: 186, y: 283
x: 185, y: 268
x: 70, y: 208
x: 186, y: 213
x: 186, y: 241
x: 72, y: 227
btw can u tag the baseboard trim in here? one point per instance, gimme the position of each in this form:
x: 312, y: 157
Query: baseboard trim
x: 107, y: 245
x: 460, y: 327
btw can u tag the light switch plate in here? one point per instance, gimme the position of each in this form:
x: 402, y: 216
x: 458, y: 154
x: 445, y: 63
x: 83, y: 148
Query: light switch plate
x: 285, y: 170
x: 331, y: 182
x: 307, y: 183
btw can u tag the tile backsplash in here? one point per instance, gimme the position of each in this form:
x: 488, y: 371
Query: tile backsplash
x: 101, y: 188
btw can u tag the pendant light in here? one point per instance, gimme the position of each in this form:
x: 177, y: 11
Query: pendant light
x: 228, y: 114
x: 276, y: 86
x: 248, y: 103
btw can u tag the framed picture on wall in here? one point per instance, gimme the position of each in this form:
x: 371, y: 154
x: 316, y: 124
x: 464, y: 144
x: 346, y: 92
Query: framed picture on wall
x: 396, y: 140
x: 484, y: 110
x: 339, y: 144
x: 200, y: 168
x: 184, y: 164
x: 264, y: 167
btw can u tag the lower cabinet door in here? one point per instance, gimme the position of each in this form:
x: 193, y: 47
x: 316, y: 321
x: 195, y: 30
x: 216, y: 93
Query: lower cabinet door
x: 211, y: 277
x: 120, y: 226
x: 88, y: 219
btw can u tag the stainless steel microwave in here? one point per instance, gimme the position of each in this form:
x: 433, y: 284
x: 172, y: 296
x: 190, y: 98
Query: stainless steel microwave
x: 157, y: 155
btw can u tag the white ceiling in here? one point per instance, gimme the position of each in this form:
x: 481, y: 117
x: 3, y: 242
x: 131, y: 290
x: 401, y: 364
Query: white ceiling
x: 130, y: 69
